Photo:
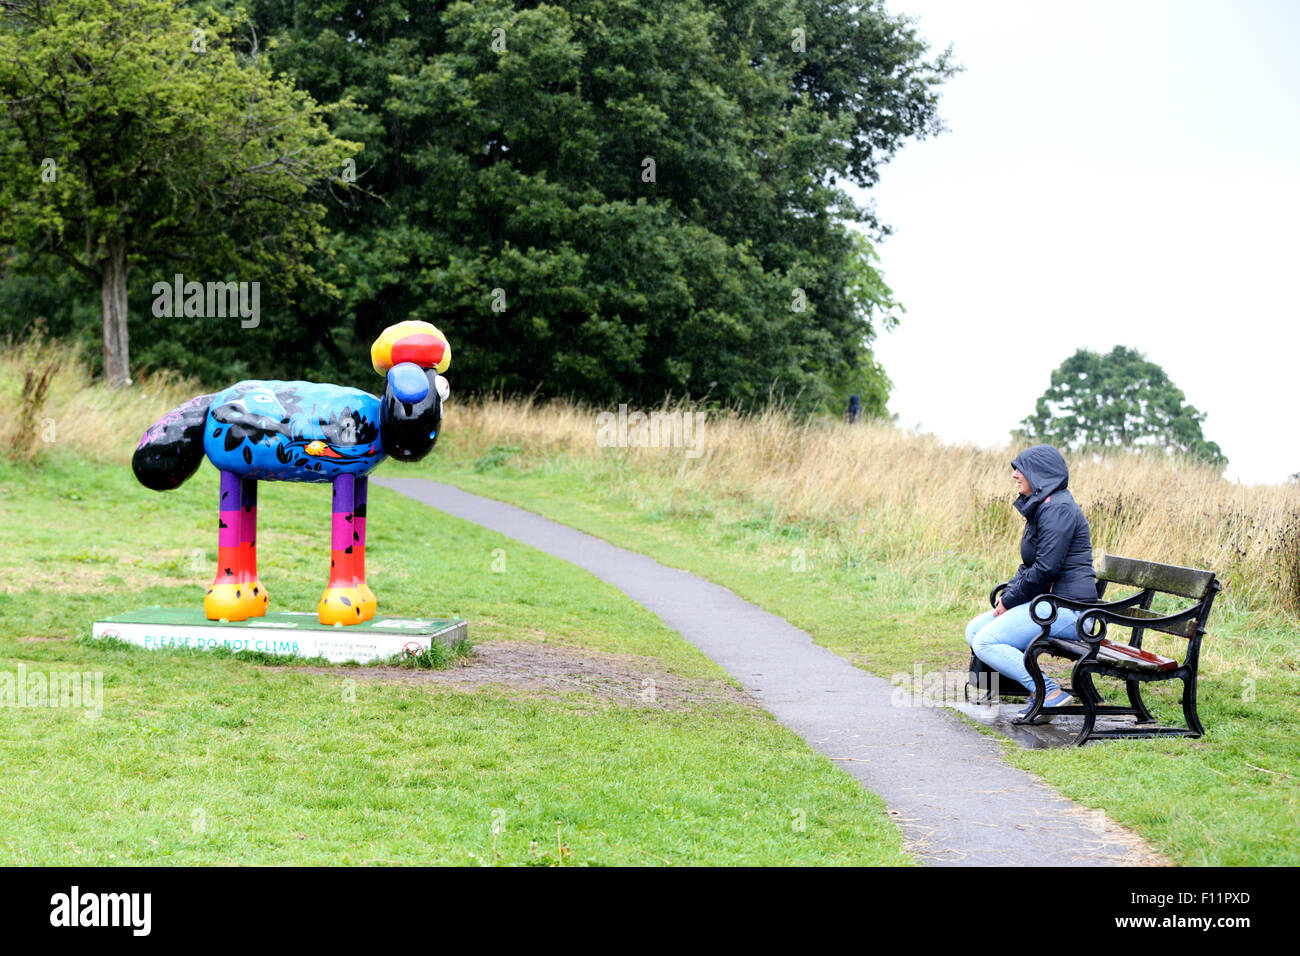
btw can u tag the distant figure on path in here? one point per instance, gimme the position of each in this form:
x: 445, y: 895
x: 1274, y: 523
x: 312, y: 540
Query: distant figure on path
x: 1056, y: 556
x: 854, y: 414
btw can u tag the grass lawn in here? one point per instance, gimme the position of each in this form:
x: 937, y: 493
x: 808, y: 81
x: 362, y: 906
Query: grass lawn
x: 1228, y: 799
x: 205, y: 759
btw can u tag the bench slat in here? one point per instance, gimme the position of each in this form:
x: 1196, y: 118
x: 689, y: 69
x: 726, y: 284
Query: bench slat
x: 1119, y: 655
x: 1185, y: 629
x: 1167, y: 578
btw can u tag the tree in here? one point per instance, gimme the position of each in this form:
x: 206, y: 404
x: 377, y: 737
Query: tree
x: 615, y: 200
x: 1119, y: 400
x: 878, y: 309
x: 142, y: 132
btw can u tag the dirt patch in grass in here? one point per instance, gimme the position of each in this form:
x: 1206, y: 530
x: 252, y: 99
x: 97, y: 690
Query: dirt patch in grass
x: 550, y: 670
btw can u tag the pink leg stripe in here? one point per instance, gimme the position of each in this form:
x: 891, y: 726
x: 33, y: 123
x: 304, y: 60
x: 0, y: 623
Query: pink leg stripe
x: 228, y: 536
x: 342, y: 532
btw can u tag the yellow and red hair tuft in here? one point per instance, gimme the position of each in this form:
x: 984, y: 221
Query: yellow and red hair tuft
x: 411, y: 341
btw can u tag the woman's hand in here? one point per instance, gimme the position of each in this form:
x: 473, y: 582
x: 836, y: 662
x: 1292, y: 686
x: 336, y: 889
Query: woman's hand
x: 999, y: 609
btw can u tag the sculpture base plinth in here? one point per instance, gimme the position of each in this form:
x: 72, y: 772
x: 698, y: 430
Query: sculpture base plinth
x: 291, y: 633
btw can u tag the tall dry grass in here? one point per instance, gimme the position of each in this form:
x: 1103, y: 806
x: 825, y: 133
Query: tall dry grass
x: 73, y: 412
x: 922, y: 495
x: 911, y: 491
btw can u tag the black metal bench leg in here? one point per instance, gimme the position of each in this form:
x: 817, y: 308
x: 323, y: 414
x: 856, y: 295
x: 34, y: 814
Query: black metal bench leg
x: 1189, y: 706
x: 1135, y: 699
x: 1084, y: 690
x: 1089, y: 698
x: 1032, y: 653
x: 1036, y: 671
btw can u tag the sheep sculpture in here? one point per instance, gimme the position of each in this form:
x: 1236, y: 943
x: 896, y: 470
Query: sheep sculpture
x: 302, y: 431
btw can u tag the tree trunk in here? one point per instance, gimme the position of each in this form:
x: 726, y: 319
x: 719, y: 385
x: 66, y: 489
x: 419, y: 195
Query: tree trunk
x: 117, y: 353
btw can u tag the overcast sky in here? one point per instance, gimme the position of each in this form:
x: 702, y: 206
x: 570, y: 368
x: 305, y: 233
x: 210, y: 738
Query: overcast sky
x: 1116, y: 173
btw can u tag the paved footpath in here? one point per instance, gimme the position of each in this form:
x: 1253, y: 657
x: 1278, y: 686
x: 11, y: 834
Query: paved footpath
x: 957, y: 801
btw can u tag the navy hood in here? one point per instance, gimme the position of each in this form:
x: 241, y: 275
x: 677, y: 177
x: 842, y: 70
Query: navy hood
x: 1047, y: 473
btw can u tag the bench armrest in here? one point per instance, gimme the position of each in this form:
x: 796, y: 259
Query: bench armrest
x: 1131, y: 601
x: 1107, y: 616
x: 1096, y: 616
x: 1091, y: 634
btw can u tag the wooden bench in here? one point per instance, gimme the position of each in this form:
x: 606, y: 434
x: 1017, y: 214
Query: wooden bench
x: 1096, y: 655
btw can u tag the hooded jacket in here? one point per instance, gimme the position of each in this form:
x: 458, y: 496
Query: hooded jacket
x: 1056, y: 548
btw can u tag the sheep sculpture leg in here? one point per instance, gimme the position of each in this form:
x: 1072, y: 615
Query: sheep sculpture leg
x: 248, y: 545
x: 343, y: 601
x: 369, y: 604
x: 236, y: 594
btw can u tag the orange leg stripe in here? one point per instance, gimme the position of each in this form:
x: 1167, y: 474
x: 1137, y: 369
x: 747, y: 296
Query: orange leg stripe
x: 342, y: 570
x: 229, y: 564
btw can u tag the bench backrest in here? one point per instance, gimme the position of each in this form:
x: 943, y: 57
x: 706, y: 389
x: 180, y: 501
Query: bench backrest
x: 1193, y: 583
x: 1166, y: 578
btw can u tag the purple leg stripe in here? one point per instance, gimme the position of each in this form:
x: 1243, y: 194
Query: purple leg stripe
x: 344, y: 494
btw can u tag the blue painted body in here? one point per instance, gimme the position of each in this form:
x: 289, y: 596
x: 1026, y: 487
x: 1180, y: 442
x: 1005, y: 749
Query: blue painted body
x: 266, y: 430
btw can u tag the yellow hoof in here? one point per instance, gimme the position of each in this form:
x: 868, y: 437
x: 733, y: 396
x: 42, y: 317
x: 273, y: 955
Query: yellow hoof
x: 231, y: 601
x: 341, y: 606
x: 369, y: 604
x: 261, y: 599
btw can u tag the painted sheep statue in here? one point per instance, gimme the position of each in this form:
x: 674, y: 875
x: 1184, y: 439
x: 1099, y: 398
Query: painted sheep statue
x: 302, y: 431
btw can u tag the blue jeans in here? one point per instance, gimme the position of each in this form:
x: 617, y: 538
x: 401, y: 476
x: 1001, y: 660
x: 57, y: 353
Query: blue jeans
x: 1000, y: 641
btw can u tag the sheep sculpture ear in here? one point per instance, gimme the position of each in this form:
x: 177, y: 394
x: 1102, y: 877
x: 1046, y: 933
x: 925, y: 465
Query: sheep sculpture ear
x: 419, y: 343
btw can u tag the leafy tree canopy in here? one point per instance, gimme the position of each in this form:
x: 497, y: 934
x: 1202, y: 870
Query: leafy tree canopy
x: 616, y: 200
x: 601, y: 198
x: 144, y: 137
x: 1118, y: 400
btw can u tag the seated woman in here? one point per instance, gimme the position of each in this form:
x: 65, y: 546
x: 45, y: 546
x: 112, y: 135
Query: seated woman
x: 1056, y: 556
